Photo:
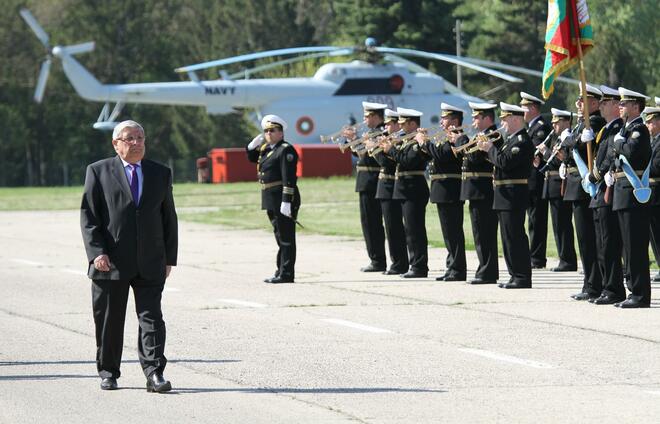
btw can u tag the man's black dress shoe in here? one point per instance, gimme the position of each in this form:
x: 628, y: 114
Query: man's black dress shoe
x: 583, y: 296
x: 157, y: 383
x: 109, y: 383
x: 632, y: 303
x: 481, y: 281
x: 440, y: 278
x: 373, y: 268
x: 607, y: 300
x: 538, y: 266
x: 279, y: 280
x: 414, y: 274
x: 393, y: 272
x: 517, y: 285
x: 562, y: 269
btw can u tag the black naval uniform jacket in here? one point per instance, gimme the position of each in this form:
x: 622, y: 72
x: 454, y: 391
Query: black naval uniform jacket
x: 637, y: 149
x: 445, y: 170
x: 552, y: 182
x: 276, y: 170
x: 367, y: 168
x: 512, y: 167
x: 574, y: 191
x: 604, y: 161
x: 655, y: 171
x: 477, y: 173
x: 410, y: 183
x: 538, y: 132
x: 385, y: 187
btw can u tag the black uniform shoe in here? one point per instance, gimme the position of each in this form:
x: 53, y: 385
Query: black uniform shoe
x: 393, y: 272
x: 157, y: 383
x: 454, y: 278
x: 373, y: 268
x: 481, y: 281
x: 607, y: 300
x: 582, y: 296
x: 517, y: 285
x: 538, y: 266
x: 109, y: 383
x: 632, y: 303
x: 440, y: 278
x: 279, y: 280
x: 563, y: 269
x: 414, y: 274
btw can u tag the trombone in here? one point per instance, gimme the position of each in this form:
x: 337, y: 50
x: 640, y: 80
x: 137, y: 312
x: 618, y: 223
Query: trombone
x: 337, y: 137
x: 471, y: 146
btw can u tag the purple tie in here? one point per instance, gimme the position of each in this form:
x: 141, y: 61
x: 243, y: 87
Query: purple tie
x: 135, y: 188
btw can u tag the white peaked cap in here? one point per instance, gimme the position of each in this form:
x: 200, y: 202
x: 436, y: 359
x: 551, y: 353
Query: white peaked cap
x: 272, y: 119
x: 631, y: 95
x: 408, y: 113
x: 373, y: 106
x: 528, y: 98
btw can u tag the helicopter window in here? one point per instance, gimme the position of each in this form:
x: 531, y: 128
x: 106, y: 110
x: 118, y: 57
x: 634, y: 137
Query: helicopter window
x: 354, y: 86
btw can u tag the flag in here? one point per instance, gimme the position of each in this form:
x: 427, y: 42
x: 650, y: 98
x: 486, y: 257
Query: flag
x: 568, y: 22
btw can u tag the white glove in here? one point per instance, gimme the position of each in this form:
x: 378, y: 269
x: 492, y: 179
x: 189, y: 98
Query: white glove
x: 562, y: 171
x: 565, y: 134
x: 587, y: 135
x: 619, y: 137
x: 285, y: 209
x: 609, y: 179
x: 256, y: 142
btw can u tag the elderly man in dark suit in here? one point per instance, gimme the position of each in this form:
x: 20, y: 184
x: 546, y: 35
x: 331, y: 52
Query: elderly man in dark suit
x: 129, y: 228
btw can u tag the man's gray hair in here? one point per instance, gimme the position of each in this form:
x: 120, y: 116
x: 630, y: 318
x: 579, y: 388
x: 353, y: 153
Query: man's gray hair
x: 116, y: 133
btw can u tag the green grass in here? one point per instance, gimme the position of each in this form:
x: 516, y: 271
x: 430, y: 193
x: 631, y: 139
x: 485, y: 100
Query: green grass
x: 329, y: 206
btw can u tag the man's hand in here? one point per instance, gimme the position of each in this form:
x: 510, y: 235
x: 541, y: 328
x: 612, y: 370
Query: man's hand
x: 562, y: 171
x: 484, y: 145
x: 349, y: 133
x: 421, y: 137
x: 565, y: 134
x: 168, y: 269
x: 609, y: 179
x: 370, y: 144
x: 256, y: 142
x: 587, y: 135
x: 536, y: 161
x: 542, y: 148
x: 285, y: 209
x: 102, y: 263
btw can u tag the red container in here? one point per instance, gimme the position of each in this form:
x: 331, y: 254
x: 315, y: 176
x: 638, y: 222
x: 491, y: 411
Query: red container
x: 319, y: 160
x: 230, y: 165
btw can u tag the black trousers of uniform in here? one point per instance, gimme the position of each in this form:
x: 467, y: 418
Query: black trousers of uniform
x: 537, y: 225
x: 371, y: 218
x: 586, y: 234
x: 562, y: 226
x: 396, y: 234
x: 515, y: 245
x: 414, y: 219
x: 655, y: 232
x: 284, y: 229
x: 451, y: 223
x: 484, y: 231
x: 608, y: 251
x: 109, y: 298
x: 634, y: 225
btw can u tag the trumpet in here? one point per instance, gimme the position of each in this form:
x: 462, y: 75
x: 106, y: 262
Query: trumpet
x: 337, y: 137
x: 359, y: 140
x: 393, y: 138
x: 472, y: 145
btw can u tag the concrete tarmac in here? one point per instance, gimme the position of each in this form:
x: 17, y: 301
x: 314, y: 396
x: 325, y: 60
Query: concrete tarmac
x: 337, y: 346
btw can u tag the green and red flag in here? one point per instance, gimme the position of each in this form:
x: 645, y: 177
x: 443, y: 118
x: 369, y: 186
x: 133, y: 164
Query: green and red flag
x: 568, y: 25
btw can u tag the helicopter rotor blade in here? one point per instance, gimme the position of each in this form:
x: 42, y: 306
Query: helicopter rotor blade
x: 449, y: 58
x: 259, y: 55
x: 41, y: 82
x: 519, y: 69
x: 36, y: 28
x: 261, y: 68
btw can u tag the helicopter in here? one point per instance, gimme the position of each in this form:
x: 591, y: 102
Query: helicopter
x: 313, y: 106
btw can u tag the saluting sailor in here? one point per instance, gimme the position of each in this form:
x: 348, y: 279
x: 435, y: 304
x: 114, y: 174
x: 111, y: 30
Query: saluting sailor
x: 477, y: 187
x: 445, y: 173
x: 632, y: 148
x: 512, y: 167
x: 410, y: 186
x: 537, y: 212
x: 652, y: 119
x: 277, y: 161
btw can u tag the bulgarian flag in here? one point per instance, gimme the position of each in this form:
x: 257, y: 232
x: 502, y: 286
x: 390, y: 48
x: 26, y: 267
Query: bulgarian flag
x: 568, y: 25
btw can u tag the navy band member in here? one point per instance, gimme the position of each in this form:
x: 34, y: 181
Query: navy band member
x: 410, y: 186
x: 277, y: 161
x: 608, y: 236
x: 366, y: 183
x: 392, y: 208
x: 583, y: 217
x: 652, y: 119
x: 445, y: 173
x: 512, y: 161
x: 634, y: 144
x: 477, y: 187
x: 537, y: 212
x: 561, y: 212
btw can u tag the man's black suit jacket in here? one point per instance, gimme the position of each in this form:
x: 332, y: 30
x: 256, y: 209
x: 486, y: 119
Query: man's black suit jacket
x: 140, y: 240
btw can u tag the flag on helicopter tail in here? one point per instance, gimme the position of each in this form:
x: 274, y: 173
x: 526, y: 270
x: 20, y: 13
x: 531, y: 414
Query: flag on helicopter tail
x: 568, y: 22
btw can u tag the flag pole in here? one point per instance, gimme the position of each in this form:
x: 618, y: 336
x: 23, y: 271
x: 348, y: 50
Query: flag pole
x: 583, y: 85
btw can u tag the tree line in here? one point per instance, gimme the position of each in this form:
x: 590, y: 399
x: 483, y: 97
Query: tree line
x: 144, y: 40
